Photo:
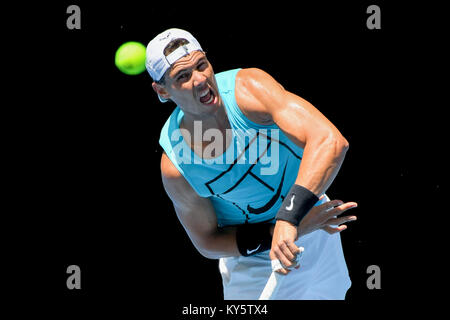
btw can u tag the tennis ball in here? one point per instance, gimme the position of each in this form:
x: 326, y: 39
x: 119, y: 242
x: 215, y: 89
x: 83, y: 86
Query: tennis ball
x: 130, y: 58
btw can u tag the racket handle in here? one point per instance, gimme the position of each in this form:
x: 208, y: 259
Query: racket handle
x: 272, y: 286
x: 275, y: 279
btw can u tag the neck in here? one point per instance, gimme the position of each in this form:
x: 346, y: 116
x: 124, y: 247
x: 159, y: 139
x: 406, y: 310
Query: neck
x: 217, y: 120
x: 197, y: 125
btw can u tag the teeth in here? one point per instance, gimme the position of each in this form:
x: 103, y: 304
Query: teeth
x: 210, y: 100
x: 204, y: 93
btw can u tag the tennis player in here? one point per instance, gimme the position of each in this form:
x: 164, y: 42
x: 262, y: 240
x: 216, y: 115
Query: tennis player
x: 247, y: 164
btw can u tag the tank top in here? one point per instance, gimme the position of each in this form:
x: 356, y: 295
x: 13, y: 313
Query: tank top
x: 248, y: 182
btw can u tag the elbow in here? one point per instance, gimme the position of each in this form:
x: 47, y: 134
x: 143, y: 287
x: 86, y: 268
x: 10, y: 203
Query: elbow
x: 335, y: 142
x: 210, y: 254
x: 207, y: 254
x: 208, y: 251
x: 215, y: 251
x: 342, y: 145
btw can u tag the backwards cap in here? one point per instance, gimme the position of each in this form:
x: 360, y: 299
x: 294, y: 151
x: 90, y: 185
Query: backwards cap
x: 156, y: 62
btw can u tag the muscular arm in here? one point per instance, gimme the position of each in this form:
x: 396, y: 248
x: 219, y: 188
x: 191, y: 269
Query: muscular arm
x: 197, y: 215
x: 266, y: 101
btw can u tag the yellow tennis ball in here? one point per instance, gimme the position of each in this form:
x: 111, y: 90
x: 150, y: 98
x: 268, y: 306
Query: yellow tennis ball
x: 130, y: 58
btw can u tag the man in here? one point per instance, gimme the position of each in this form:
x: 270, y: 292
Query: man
x: 246, y: 164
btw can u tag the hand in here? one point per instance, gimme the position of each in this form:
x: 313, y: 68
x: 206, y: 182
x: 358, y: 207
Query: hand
x: 283, y: 246
x: 325, y: 217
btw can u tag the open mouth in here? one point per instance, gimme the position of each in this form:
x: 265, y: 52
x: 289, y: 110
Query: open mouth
x: 207, y: 96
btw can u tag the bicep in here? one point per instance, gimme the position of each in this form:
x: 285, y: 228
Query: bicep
x: 295, y: 116
x: 300, y: 120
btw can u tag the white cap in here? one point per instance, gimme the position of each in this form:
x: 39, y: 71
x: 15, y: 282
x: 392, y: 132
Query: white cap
x: 157, y: 63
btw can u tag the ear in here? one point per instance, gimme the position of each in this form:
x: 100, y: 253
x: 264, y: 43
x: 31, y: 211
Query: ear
x: 160, y: 90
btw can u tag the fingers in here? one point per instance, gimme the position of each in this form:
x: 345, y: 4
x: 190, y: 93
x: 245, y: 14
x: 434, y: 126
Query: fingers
x: 276, y: 264
x: 331, y: 204
x: 333, y: 230
x: 336, y: 210
x: 287, y: 270
x: 338, y: 222
x: 296, y: 261
x: 287, y: 252
x: 341, y: 220
x: 284, y: 264
x: 284, y: 271
x: 283, y: 247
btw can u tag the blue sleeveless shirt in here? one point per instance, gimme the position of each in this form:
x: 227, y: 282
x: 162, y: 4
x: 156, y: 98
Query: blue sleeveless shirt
x: 248, y: 182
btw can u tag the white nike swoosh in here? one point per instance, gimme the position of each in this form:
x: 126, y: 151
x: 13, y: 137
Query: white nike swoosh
x: 251, y: 251
x: 291, y: 206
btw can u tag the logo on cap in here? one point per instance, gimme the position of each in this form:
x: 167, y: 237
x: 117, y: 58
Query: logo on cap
x: 164, y: 38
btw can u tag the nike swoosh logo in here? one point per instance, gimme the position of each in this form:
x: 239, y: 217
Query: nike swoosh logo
x: 291, y: 206
x: 251, y: 251
x: 273, y: 200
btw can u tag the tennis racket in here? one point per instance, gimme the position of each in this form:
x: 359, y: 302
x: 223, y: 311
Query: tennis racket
x: 275, y: 279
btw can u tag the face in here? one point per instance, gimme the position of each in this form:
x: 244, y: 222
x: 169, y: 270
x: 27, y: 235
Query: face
x: 191, y: 84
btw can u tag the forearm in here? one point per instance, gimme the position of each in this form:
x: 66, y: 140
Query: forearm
x: 322, y: 159
x: 223, y: 243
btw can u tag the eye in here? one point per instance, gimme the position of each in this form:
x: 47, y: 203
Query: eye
x: 202, y: 66
x: 183, y: 76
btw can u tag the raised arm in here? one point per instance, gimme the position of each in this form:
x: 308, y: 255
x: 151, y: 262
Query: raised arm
x: 264, y: 100
x: 324, y: 146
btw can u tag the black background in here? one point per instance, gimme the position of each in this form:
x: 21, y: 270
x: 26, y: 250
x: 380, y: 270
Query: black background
x: 87, y: 165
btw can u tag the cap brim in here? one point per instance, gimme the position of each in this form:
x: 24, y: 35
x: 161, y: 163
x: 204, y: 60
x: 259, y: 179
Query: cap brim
x: 162, y: 99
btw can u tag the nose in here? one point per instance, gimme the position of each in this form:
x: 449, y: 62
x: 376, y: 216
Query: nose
x: 199, y: 78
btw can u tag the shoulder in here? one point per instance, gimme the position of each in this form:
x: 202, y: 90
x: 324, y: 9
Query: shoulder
x: 257, y: 92
x: 168, y: 169
x: 256, y: 80
x: 177, y: 187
